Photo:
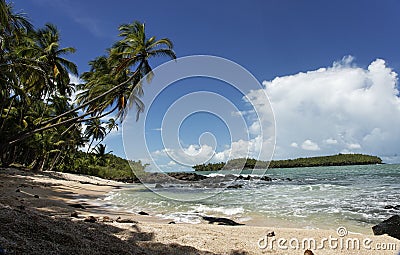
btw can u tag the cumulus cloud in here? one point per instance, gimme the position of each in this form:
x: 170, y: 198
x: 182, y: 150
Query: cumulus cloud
x: 309, y: 145
x: 330, y: 141
x: 338, y: 109
x: 335, y: 109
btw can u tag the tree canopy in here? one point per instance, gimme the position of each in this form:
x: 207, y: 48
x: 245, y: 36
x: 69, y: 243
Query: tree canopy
x: 42, y: 126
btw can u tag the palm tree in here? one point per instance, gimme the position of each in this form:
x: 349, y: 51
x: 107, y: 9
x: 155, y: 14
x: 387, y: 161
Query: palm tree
x: 128, y: 61
x: 100, y: 150
x: 46, y: 50
x: 95, y: 130
x: 105, y: 92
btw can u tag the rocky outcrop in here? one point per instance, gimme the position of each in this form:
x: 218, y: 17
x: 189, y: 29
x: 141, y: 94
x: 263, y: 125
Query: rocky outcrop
x: 90, y: 219
x: 390, y: 227
x: 393, y: 207
x: 266, y: 178
x: 221, y: 221
x: 192, y: 177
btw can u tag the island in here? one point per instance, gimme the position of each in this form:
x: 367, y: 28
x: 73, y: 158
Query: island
x: 250, y: 163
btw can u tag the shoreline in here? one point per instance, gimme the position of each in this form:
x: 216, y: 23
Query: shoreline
x: 58, y: 191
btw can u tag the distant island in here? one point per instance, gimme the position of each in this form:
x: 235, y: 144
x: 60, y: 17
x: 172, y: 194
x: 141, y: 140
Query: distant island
x: 250, y: 163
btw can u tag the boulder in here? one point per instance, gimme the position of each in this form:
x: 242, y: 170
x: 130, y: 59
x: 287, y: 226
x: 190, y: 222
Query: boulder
x: 221, y: 221
x: 90, y: 219
x: 107, y: 219
x: 389, y: 226
x: 120, y: 220
x: 266, y: 178
x: 143, y: 213
x: 235, y: 186
x: 271, y: 234
x: 79, y: 206
x: 74, y: 214
x: 394, y: 207
x: 187, y: 176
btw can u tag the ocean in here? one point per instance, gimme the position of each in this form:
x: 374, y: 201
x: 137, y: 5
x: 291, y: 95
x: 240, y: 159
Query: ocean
x: 316, y: 197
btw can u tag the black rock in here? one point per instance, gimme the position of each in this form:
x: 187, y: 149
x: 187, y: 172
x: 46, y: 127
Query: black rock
x: 389, y: 226
x: 77, y: 206
x: 74, y: 214
x: 235, y: 186
x: 221, y: 221
x: 36, y: 196
x: 288, y: 179
x: 143, y: 213
x: 394, y: 207
x: 18, y: 190
x: 266, y: 178
x: 187, y: 176
x: 171, y: 222
x: 108, y: 219
x: 271, y: 234
x: 90, y: 219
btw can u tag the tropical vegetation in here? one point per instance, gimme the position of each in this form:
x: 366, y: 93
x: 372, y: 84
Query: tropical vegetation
x: 43, y: 125
x: 249, y: 163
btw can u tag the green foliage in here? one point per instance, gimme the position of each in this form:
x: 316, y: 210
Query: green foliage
x: 40, y: 126
x: 107, y: 166
x: 334, y: 160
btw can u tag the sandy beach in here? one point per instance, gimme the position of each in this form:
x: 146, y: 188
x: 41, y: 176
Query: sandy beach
x: 49, y: 213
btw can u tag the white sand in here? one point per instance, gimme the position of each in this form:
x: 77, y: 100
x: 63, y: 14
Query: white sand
x: 57, y: 190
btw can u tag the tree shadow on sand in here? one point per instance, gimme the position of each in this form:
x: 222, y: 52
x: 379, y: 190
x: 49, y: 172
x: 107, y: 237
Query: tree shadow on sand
x: 25, y: 229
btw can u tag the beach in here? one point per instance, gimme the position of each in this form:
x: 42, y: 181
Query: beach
x: 36, y: 218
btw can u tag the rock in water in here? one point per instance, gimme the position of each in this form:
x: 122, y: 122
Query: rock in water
x: 390, y: 226
x: 143, y: 213
x: 266, y: 178
x: 221, y: 221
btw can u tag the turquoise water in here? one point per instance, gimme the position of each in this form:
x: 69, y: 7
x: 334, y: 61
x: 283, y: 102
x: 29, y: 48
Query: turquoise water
x: 318, y: 197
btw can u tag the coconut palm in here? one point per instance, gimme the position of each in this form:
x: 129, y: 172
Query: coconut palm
x: 95, y: 130
x: 128, y: 61
x: 46, y: 50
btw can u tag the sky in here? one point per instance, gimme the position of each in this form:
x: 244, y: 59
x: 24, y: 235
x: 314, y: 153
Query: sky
x: 329, y: 69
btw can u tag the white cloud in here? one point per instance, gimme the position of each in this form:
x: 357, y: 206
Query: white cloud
x: 353, y: 146
x: 171, y: 163
x: 338, y: 108
x: 330, y: 141
x: 74, y: 80
x: 342, y: 108
x: 310, y: 146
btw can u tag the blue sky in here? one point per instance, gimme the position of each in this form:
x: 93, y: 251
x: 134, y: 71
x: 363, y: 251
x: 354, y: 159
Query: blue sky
x: 283, y: 44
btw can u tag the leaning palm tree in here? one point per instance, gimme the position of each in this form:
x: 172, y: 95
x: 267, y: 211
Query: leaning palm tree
x: 126, y: 65
x: 95, y: 130
x: 112, y: 79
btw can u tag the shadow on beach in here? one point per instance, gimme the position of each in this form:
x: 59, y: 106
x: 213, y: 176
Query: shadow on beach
x: 30, y: 225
